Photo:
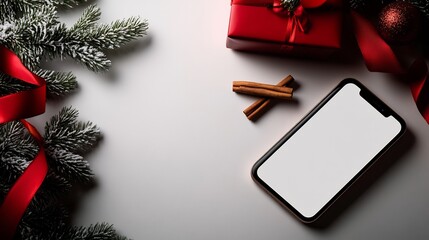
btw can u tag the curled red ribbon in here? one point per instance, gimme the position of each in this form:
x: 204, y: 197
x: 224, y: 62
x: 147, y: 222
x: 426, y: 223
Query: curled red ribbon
x: 379, y: 57
x: 18, y: 106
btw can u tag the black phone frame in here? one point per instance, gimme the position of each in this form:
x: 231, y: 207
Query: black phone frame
x: 366, y: 94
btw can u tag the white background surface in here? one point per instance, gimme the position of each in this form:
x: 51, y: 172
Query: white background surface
x: 177, y: 150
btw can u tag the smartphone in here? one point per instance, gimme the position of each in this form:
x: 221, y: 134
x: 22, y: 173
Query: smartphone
x: 334, y: 144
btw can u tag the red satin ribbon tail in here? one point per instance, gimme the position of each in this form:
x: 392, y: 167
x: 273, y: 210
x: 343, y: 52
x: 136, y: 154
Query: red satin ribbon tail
x: 378, y: 55
x: 418, y: 78
x: 14, y: 107
x: 23, y: 104
x: 423, y: 101
x: 298, y: 21
x: 21, y: 193
x: 302, y: 19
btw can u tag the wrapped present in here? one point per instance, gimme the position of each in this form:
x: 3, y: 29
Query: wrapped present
x: 313, y: 28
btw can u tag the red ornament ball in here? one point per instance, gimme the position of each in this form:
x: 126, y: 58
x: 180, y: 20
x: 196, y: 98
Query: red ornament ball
x: 399, y: 22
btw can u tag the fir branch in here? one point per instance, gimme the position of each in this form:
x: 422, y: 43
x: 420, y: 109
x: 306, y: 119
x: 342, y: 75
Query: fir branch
x: 13, y: 8
x: 32, y: 30
x: 41, y: 216
x: 91, y: 57
x: 65, y: 140
x: 63, y: 131
x: 290, y: 5
x: 54, y: 186
x: 116, y: 34
x: 7, y: 11
x: 38, y: 15
x: 88, y: 20
x: 89, y: 134
x: 5, y: 31
x: 99, y: 231
x: 16, y: 150
x: 42, y: 36
x: 16, y: 142
x: 11, y: 168
x: 10, y: 85
x: 38, y: 34
x: 58, y: 84
x: 69, y: 165
x: 68, y: 3
x: 35, y: 34
x: 29, y: 55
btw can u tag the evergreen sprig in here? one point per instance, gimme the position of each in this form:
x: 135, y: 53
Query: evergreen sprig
x: 10, y: 85
x: 290, y: 5
x: 32, y: 30
x: 114, y: 35
x: 16, y: 150
x: 58, y: 84
x: 66, y: 139
x: 99, y: 231
x: 43, y: 215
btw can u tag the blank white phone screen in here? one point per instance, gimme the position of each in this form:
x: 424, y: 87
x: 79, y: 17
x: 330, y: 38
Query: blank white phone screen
x: 316, y: 162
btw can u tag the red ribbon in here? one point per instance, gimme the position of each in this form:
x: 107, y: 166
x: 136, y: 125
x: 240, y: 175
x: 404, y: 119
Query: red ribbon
x: 379, y: 57
x: 419, y: 85
x: 298, y: 20
x: 18, y: 106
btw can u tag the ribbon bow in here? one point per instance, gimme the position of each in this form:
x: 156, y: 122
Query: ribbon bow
x: 298, y: 19
x: 18, y: 106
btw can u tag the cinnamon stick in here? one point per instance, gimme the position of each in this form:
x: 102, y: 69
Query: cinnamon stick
x: 254, y: 111
x: 262, y: 86
x: 263, y: 105
x: 260, y: 92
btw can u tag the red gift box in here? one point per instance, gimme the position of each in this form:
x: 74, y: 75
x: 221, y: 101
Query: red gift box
x: 259, y: 26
